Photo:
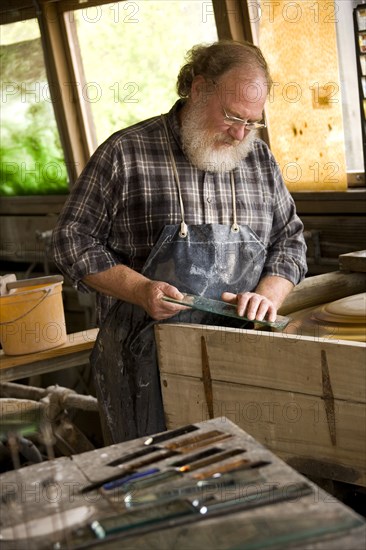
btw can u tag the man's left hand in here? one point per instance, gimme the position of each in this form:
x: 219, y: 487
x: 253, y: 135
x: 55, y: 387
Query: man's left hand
x: 252, y: 305
x: 264, y: 302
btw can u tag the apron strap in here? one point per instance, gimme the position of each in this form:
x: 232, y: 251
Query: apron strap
x: 234, y: 227
x: 183, y: 226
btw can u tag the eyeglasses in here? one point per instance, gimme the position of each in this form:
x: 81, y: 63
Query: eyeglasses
x: 231, y: 120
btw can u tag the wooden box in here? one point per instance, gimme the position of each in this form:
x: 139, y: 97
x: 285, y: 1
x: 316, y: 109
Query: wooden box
x: 302, y: 397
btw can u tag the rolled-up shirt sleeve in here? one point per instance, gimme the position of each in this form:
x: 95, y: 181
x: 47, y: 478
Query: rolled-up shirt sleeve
x: 80, y: 238
x: 286, y: 252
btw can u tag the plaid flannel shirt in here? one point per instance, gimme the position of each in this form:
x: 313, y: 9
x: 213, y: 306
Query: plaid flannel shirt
x: 127, y: 193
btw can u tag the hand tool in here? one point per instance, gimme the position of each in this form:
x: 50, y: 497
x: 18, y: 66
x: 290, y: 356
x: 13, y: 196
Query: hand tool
x: 109, y: 486
x: 195, y: 464
x: 227, y: 310
x: 186, y: 460
x: 236, y: 465
x: 165, y: 436
x: 272, y: 494
x: 132, y: 456
x: 130, y: 469
x: 195, y: 441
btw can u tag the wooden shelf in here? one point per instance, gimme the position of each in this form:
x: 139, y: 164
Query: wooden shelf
x: 73, y: 353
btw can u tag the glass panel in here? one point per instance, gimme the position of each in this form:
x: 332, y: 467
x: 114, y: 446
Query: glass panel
x: 32, y: 161
x: 314, y: 121
x: 132, y: 53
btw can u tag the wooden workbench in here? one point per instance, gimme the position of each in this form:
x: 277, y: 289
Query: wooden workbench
x: 73, y: 353
x: 42, y: 504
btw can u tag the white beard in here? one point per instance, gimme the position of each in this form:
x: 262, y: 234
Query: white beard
x: 201, y: 146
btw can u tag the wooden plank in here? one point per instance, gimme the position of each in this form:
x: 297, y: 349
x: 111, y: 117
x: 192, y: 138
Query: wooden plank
x: 61, y: 78
x: 75, y: 359
x: 237, y: 528
x: 74, y: 353
x: 319, y: 289
x: 353, y: 201
x: 76, y: 342
x: 354, y: 261
x: 263, y: 359
x: 32, y: 206
x: 292, y: 425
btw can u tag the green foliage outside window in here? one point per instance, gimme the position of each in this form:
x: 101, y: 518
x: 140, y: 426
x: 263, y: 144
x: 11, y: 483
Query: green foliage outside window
x: 131, y: 53
x: 32, y: 161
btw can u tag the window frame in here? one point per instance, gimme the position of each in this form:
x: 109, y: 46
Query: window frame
x: 65, y: 70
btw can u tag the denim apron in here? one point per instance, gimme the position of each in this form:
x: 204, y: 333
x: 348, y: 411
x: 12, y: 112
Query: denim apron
x: 204, y: 260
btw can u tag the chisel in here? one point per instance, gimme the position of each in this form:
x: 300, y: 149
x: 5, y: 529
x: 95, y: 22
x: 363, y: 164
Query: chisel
x: 165, y: 436
x: 187, y: 444
x: 130, y: 469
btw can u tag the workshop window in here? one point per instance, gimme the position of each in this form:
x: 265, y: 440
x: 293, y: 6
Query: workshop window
x: 131, y: 54
x: 112, y: 64
x: 313, y: 112
x: 32, y: 160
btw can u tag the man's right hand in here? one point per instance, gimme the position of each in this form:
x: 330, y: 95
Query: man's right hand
x: 126, y: 284
x: 150, y: 294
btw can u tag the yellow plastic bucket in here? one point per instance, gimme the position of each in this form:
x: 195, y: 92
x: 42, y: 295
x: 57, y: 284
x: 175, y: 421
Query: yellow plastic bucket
x: 32, y: 316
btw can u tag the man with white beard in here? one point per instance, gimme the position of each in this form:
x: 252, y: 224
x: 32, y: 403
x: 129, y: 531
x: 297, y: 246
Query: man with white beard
x: 187, y: 202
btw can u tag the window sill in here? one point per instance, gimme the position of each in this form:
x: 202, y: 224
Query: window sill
x: 352, y: 201
x: 32, y: 204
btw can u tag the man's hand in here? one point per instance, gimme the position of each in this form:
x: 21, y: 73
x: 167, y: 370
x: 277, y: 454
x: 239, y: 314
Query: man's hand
x: 264, y: 302
x: 150, y: 298
x: 252, y: 305
x: 128, y: 285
